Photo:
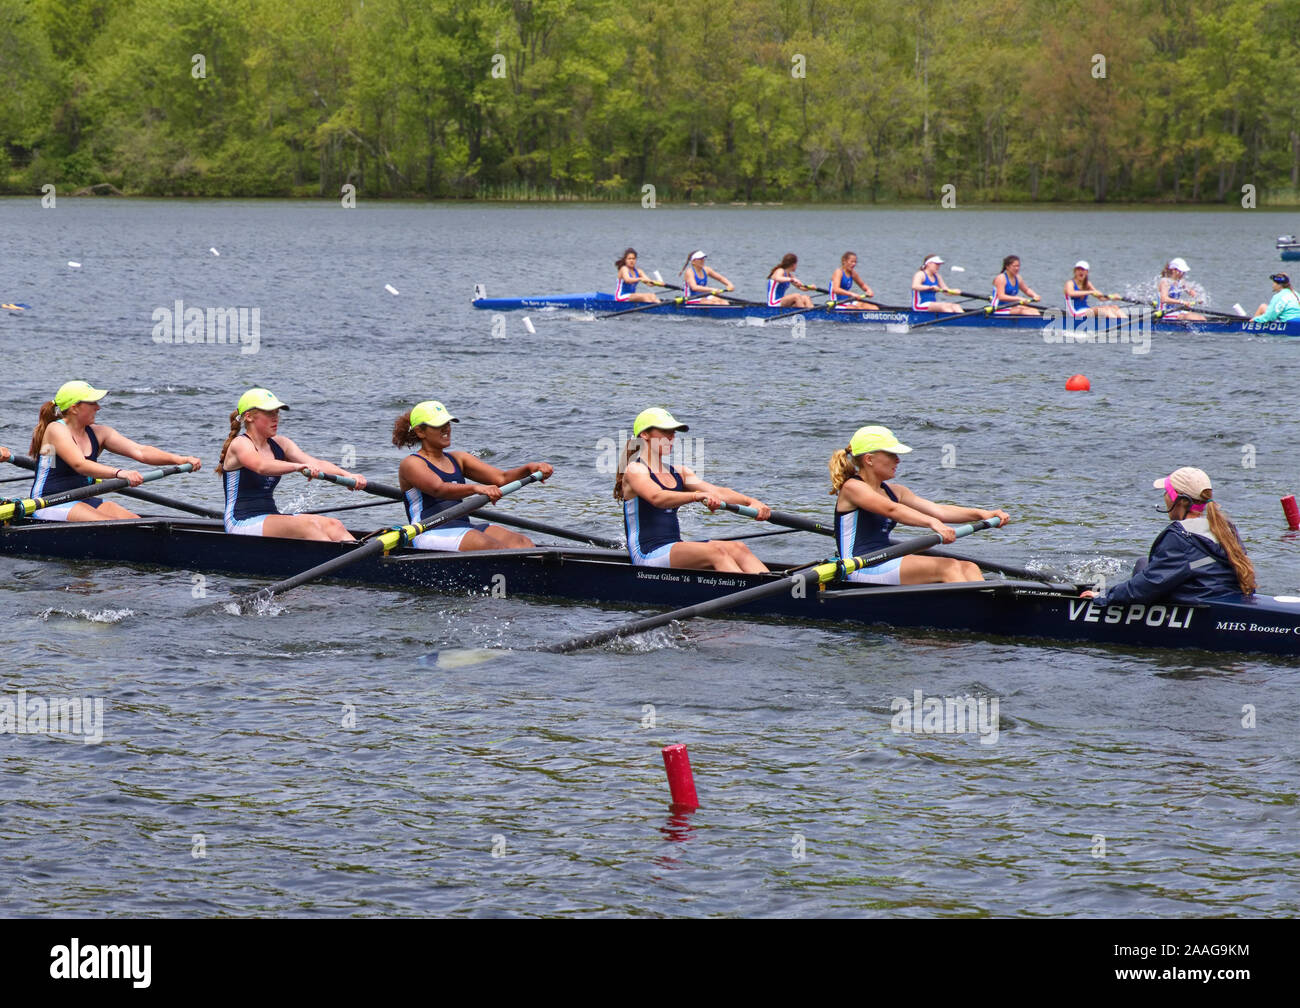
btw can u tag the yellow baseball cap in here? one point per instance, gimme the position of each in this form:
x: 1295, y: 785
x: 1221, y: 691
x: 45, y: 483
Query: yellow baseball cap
x: 73, y: 392
x: 431, y: 412
x: 259, y: 399
x: 655, y: 417
x: 874, y: 439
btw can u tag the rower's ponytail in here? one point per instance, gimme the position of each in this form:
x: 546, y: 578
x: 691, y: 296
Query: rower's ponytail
x: 234, y: 433
x: 403, y: 435
x: 842, y: 467
x: 629, y: 449
x: 1226, y: 533
x: 49, y: 413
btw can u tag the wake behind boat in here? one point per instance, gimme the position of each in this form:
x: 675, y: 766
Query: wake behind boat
x: 601, y: 302
x: 1014, y: 608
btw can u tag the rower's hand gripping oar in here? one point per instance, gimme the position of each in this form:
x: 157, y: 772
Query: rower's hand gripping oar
x: 799, y: 581
x: 25, y: 507
x: 385, y: 542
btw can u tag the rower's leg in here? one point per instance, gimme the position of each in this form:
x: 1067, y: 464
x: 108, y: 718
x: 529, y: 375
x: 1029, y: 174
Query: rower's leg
x: 917, y: 569
x: 107, y: 511
x: 702, y: 556
x: 492, y: 538
x: 743, y: 556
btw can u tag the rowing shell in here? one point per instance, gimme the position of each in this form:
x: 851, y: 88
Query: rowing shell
x: 1011, y: 608
x: 597, y: 301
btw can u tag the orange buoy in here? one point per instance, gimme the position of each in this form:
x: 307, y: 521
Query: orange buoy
x: 1078, y: 383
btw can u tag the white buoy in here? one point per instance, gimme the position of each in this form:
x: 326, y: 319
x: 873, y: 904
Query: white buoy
x: 390, y: 288
x: 528, y: 324
x: 74, y: 265
x: 214, y: 252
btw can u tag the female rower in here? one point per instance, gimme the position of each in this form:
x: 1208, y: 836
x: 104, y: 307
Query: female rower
x: 252, y: 462
x: 651, y: 491
x: 842, y: 281
x: 1007, y: 296
x: 779, y: 281
x: 629, y: 275
x: 1175, y: 296
x: 1198, y: 556
x: 927, y: 284
x: 1077, y: 290
x: 434, y: 479
x: 867, y: 508
x: 695, y: 281
x: 1283, y: 306
x: 67, y: 443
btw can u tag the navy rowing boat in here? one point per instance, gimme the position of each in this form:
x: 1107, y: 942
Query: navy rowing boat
x: 599, y: 302
x: 1017, y: 609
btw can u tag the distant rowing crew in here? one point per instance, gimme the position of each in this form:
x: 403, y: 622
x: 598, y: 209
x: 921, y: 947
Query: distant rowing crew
x: 1010, y: 294
x: 1198, y: 556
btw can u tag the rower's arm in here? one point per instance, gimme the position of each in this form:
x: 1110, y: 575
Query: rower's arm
x: 293, y: 453
x: 249, y: 458
x: 477, y: 469
x: 719, y: 277
x: 414, y: 473
x: 637, y: 479
x: 905, y: 510
x: 917, y: 281
x: 946, y: 512
x: 838, y: 289
x: 724, y: 494
x: 863, y: 284
x: 61, y: 440
x: 120, y: 444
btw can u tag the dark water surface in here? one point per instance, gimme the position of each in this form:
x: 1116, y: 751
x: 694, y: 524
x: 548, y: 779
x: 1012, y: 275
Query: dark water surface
x: 318, y: 767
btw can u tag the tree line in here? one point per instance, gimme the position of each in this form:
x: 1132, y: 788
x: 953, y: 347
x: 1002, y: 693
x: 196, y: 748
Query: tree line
x: 860, y: 100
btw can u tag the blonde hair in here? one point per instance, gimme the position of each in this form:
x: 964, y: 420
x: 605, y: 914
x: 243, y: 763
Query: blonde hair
x: 49, y: 413
x: 631, y: 448
x: 234, y: 433
x: 1226, y: 533
x: 843, y: 466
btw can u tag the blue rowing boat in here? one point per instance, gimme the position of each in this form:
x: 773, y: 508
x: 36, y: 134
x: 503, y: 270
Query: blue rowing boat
x: 600, y: 302
x: 1016, y: 609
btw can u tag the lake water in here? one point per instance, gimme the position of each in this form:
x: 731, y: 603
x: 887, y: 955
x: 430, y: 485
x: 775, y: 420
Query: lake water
x: 308, y: 763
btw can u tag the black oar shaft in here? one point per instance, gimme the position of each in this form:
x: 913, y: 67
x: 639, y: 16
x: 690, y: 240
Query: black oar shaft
x: 792, y: 583
x: 383, y: 543
x: 27, y: 462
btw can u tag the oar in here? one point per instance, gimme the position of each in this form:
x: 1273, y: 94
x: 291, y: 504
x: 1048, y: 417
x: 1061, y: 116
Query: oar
x: 30, y: 506
x: 794, y: 583
x: 800, y: 311
x: 383, y: 543
x: 945, y: 317
x: 27, y: 462
x: 800, y: 523
x: 393, y: 493
x: 644, y: 307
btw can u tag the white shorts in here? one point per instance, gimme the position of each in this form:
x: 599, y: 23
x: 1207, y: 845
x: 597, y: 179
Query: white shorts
x: 886, y: 573
x: 246, y: 526
x: 655, y: 558
x: 446, y: 539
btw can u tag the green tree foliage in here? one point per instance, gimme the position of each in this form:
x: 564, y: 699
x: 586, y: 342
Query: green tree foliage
x: 862, y: 100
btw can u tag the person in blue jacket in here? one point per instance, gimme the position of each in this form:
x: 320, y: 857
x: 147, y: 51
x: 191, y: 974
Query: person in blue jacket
x: 1198, y: 556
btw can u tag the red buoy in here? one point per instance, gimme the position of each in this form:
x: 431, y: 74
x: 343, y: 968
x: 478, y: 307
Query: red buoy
x: 680, y: 781
x: 1292, y: 512
x: 1078, y: 383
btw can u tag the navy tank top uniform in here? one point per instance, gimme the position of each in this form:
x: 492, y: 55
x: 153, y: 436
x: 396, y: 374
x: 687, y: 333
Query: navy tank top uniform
x: 421, y: 506
x: 647, y: 527
x: 250, y: 494
x: 53, y: 475
x: 859, y: 532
